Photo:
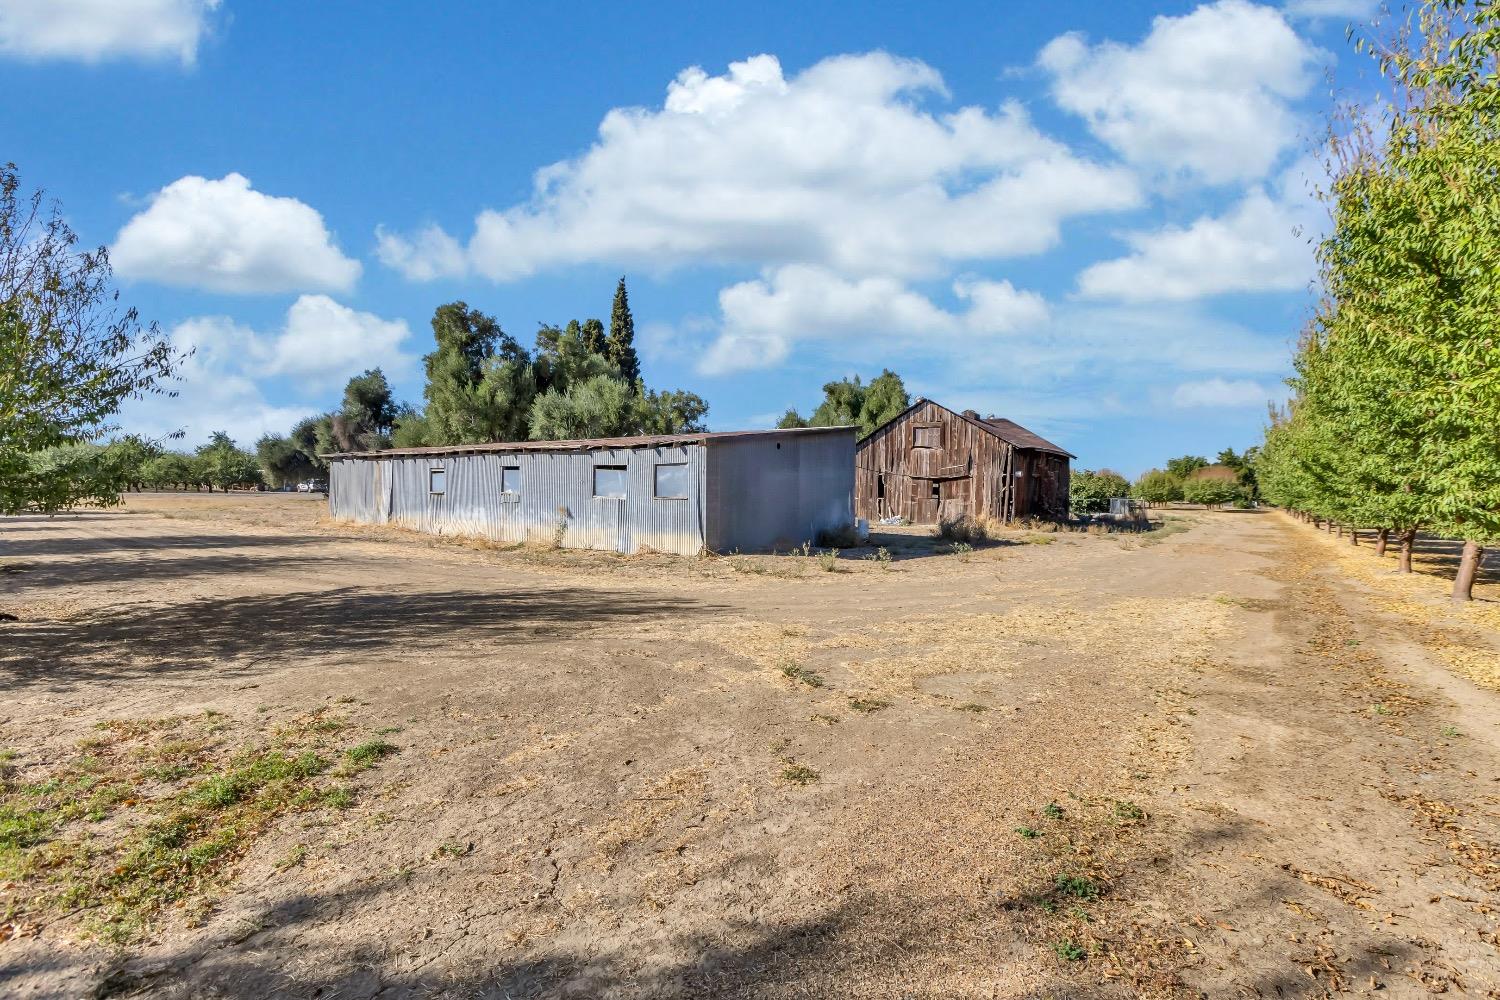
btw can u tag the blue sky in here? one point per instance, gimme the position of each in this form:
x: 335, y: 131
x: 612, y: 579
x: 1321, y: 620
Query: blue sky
x: 1091, y: 218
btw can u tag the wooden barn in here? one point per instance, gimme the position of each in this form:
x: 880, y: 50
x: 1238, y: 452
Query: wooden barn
x: 931, y: 464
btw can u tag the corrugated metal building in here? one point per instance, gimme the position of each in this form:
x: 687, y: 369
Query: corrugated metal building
x: 929, y: 464
x: 683, y: 493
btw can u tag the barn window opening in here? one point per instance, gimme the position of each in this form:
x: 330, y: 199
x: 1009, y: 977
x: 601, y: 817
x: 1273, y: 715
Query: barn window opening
x: 437, y: 482
x: 927, y: 437
x: 510, y: 480
x: 672, y: 481
x: 880, y: 486
x: 609, y: 482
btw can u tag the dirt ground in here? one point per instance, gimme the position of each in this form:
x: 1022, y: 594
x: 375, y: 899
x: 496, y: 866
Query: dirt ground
x: 1231, y: 758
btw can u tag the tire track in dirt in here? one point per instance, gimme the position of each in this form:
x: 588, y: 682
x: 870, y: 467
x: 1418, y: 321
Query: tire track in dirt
x: 1330, y: 831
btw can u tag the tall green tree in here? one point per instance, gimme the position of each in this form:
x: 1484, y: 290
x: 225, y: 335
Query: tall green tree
x: 461, y: 408
x: 69, y: 355
x: 620, y: 344
x: 367, y: 415
x: 224, y: 464
x: 850, y: 401
x: 1186, y: 465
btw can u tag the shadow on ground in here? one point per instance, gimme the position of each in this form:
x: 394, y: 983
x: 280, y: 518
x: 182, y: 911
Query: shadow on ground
x: 231, y: 636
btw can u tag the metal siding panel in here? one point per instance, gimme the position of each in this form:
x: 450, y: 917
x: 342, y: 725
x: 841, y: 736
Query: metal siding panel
x: 769, y: 498
x: 554, y: 486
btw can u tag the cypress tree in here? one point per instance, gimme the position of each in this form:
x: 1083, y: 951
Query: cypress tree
x: 621, y: 341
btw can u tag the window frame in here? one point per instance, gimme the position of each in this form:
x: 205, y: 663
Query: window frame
x: 507, y: 494
x: 916, y: 436
x: 623, y: 470
x: 657, y: 494
x: 437, y: 471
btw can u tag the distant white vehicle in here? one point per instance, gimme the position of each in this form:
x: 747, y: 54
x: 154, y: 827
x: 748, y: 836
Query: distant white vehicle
x: 307, y: 486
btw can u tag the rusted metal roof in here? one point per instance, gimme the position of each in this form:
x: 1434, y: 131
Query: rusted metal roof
x: 1006, y: 430
x: 1021, y: 437
x: 589, y: 444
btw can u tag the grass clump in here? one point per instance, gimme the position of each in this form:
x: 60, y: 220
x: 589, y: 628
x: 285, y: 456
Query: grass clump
x: 881, y: 557
x: 1052, y: 810
x: 1129, y: 812
x: 972, y: 706
x: 1069, y: 950
x: 968, y: 529
x: 828, y: 561
x: 367, y: 754
x: 868, y: 705
x: 799, y: 774
x: 1027, y: 833
x: 799, y: 673
x: 1077, y: 886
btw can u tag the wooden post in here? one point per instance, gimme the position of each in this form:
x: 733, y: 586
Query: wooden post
x: 1353, y: 535
x: 1468, y: 569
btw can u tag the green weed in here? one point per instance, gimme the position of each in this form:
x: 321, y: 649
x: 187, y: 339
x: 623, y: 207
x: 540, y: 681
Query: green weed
x: 797, y: 672
x: 799, y: 774
x: 868, y: 705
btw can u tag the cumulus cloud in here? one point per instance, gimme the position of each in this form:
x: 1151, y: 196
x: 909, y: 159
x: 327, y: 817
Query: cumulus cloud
x: 95, y: 30
x: 1261, y: 244
x: 763, y: 319
x: 224, y: 384
x: 1218, y: 393
x: 224, y: 236
x: 1205, y: 94
x: 840, y: 166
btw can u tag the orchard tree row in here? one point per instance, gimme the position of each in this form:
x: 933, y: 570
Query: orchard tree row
x: 1394, y: 424
x: 1188, y: 479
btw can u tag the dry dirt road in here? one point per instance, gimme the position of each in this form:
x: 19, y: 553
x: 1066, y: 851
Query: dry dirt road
x: 1213, y: 762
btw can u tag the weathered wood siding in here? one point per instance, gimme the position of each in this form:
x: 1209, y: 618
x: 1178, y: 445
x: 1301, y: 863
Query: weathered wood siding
x: 969, y: 471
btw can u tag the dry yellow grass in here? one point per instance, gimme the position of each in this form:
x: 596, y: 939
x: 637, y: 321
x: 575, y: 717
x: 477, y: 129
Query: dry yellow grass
x: 1466, y: 637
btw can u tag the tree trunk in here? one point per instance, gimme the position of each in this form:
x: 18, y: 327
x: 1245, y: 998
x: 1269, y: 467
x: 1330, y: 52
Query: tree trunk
x: 1381, y: 538
x: 1407, y: 537
x: 1468, y: 569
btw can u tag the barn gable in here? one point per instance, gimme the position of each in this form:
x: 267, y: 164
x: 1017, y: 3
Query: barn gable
x: 931, y: 463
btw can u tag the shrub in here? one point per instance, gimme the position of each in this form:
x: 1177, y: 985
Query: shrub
x: 969, y: 529
x: 1090, y: 492
x: 1157, y: 486
x: 1211, y: 492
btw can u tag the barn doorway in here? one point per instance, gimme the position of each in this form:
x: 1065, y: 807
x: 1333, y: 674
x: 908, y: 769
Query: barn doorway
x: 926, y: 500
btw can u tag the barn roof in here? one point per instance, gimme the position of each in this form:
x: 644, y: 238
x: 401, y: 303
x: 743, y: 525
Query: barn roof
x: 1006, y: 430
x: 591, y: 444
x: 1019, y: 436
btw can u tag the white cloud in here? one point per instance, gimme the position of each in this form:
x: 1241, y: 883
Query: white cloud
x: 1218, y: 393
x: 1205, y: 94
x: 95, y: 30
x: 224, y: 236
x: 234, y: 370
x: 1261, y: 244
x: 839, y: 166
x: 763, y: 319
